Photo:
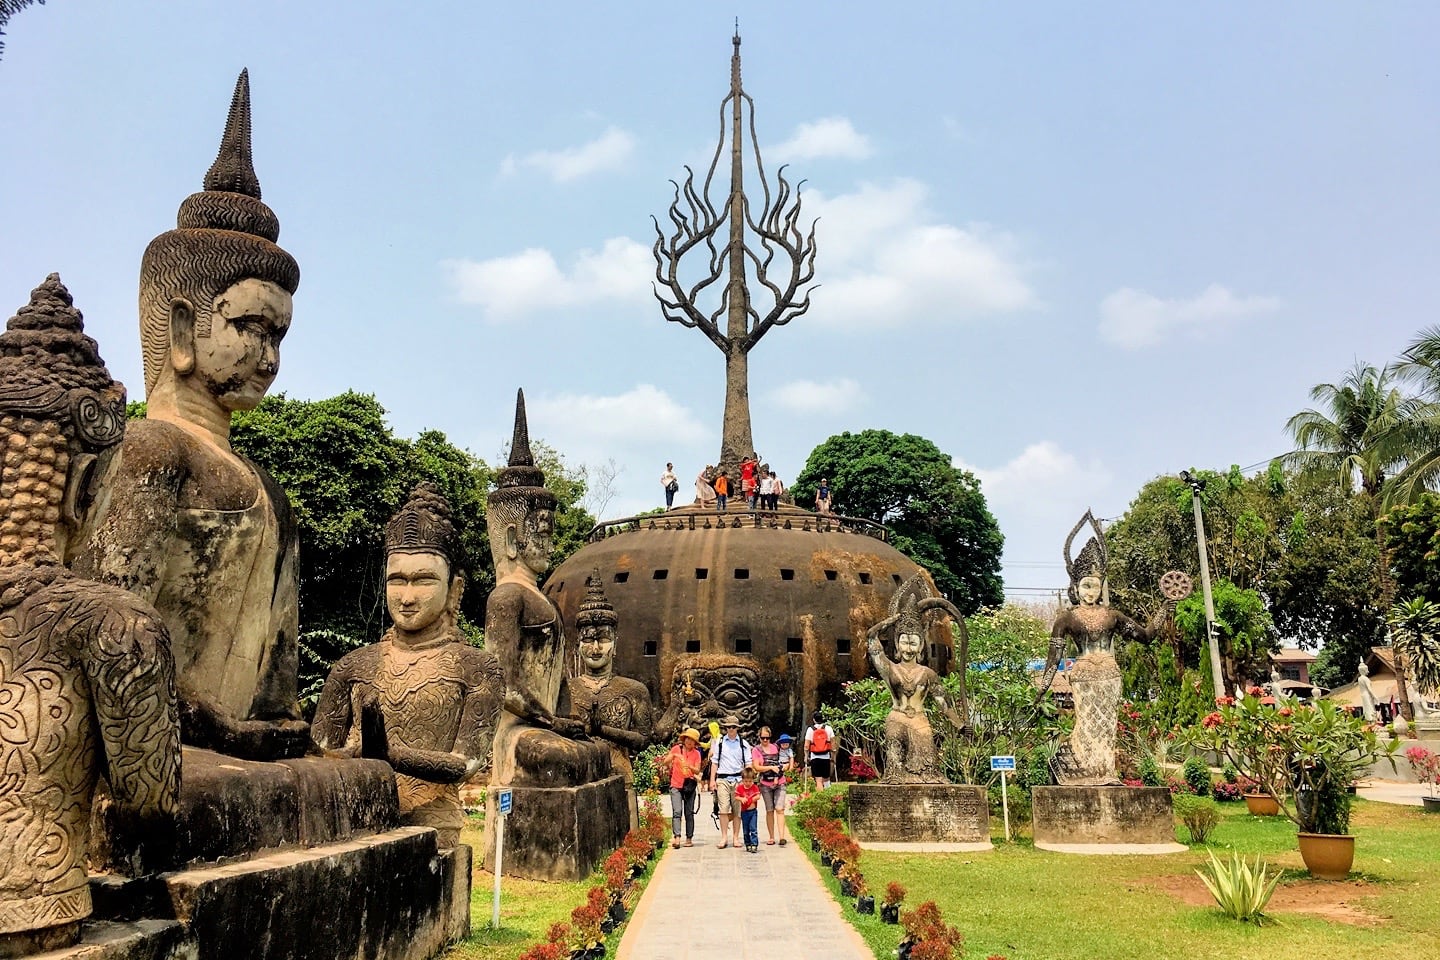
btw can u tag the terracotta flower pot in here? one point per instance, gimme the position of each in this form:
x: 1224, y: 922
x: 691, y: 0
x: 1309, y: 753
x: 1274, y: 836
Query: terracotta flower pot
x: 1262, y: 804
x: 1326, y: 855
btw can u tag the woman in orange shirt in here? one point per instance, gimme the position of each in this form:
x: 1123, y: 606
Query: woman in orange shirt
x: 722, y: 491
x: 683, y: 761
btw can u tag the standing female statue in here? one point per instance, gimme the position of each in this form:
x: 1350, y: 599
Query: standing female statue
x: 910, y: 754
x: 1088, y: 754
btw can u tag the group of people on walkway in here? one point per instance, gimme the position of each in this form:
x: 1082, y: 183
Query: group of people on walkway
x: 743, y: 776
x: 760, y: 487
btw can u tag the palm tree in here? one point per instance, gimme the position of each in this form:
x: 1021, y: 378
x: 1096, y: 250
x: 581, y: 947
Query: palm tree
x: 1357, y: 434
x: 1419, y: 364
x: 1415, y: 635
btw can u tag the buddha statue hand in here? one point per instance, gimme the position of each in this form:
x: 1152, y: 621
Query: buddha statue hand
x: 374, y: 739
x: 206, y: 724
x: 572, y: 727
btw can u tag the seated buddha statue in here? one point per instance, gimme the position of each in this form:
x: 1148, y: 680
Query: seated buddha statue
x: 620, y: 706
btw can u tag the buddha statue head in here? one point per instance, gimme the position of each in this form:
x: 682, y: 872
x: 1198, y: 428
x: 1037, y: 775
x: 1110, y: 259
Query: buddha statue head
x: 62, y: 417
x: 215, y: 292
x: 521, y: 512
x: 1087, y: 571
x: 596, y: 623
x: 909, y: 626
x: 422, y: 589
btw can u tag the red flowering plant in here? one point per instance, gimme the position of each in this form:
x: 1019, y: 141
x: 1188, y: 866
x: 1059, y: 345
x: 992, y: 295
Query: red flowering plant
x: 617, y: 872
x: 1310, y: 753
x: 931, y: 938
x: 894, y: 893
x: 546, y: 951
x: 1425, y: 765
x: 585, y: 926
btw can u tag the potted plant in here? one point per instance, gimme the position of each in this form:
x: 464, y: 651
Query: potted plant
x: 890, y: 908
x: 850, y: 880
x: 1426, y: 767
x: 864, y: 902
x: 1305, y: 756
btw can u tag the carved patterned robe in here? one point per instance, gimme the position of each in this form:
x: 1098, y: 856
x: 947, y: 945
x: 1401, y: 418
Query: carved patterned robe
x: 86, y: 682
x: 622, y: 703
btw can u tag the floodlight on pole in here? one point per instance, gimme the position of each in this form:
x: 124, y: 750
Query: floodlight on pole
x: 1197, y: 484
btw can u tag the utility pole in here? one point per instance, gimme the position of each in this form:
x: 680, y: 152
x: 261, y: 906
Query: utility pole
x: 1217, y: 673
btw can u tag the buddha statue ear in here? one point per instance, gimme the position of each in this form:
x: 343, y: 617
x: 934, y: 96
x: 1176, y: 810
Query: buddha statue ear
x: 182, y: 336
x: 512, y: 541
x: 78, y: 497
x: 456, y: 591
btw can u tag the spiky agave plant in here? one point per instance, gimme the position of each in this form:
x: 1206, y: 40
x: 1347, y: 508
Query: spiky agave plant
x: 1415, y: 633
x: 1242, y: 889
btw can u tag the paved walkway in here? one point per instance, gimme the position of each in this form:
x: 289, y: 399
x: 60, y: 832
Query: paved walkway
x: 1392, y: 791
x: 709, y: 904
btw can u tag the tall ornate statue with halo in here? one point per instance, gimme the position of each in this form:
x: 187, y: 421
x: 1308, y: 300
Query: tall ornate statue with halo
x: 1088, y: 754
x: 910, y: 754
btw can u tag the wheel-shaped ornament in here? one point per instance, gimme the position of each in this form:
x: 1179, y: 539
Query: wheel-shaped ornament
x: 1176, y: 586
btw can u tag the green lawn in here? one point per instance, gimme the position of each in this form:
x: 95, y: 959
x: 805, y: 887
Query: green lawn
x: 1027, y: 904
x: 527, y: 907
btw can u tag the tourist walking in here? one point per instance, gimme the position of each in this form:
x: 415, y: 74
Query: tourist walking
x: 683, y: 763
x: 729, y: 756
x: 747, y: 794
x: 670, y: 483
x: 822, y: 496
x: 819, y: 750
x: 747, y: 479
x: 767, y: 487
x: 776, y: 489
x: 722, y: 491
x: 773, y: 760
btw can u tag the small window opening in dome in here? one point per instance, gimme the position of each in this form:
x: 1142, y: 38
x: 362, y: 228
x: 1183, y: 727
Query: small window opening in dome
x: 622, y: 576
x: 842, y: 646
x: 742, y: 573
x: 692, y: 646
x: 702, y: 573
x: 661, y: 574
x: 742, y: 644
x: 896, y: 578
x: 787, y: 574
x: 831, y: 574
x: 794, y: 645
x: 652, y: 648
x: 864, y: 577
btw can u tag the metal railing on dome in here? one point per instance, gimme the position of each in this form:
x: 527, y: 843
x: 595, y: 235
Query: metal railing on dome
x: 786, y: 519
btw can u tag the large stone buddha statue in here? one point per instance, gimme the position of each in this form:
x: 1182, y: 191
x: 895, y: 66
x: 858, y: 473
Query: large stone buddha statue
x: 197, y: 530
x: 422, y: 698
x: 620, y: 706
x: 86, y: 678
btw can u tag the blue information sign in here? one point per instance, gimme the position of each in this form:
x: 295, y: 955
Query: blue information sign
x: 504, y: 797
x: 1002, y: 763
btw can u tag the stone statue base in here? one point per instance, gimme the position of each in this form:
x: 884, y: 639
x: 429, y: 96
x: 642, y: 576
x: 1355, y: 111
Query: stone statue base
x: 1101, y: 820
x: 944, y: 816
x: 391, y: 895
x: 559, y: 833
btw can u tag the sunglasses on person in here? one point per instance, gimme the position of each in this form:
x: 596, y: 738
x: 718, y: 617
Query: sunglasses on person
x: 764, y: 738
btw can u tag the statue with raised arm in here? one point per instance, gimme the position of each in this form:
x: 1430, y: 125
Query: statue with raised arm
x: 423, y: 698
x: 539, y: 741
x: 197, y: 530
x: 910, y: 751
x: 1088, y: 755
x: 86, y: 679
x: 620, y: 705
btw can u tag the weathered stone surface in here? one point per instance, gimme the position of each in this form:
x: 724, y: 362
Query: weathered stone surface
x: 86, y: 675
x: 390, y: 896
x: 618, y: 708
x: 233, y: 808
x: 919, y: 813
x: 559, y: 833
x: 141, y: 940
x: 1102, y: 815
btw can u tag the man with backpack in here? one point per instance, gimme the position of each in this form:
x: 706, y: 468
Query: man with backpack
x: 819, y: 750
x: 729, y: 756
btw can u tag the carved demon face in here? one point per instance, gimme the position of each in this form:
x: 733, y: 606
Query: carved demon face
x: 712, y: 691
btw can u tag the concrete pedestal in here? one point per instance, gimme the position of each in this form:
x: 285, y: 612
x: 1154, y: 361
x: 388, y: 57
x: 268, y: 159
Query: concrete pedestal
x: 1104, y: 820
x: 559, y: 833
x: 938, y: 816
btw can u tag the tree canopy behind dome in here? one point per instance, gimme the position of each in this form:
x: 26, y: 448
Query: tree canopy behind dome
x: 936, y: 512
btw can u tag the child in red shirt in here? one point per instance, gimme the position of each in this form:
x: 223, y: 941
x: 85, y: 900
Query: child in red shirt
x: 748, y: 793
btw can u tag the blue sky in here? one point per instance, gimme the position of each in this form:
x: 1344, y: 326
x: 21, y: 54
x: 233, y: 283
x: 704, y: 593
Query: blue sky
x: 1076, y: 246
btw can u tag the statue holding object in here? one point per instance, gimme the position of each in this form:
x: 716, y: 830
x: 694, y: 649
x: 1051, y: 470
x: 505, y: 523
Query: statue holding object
x: 910, y: 753
x: 86, y: 677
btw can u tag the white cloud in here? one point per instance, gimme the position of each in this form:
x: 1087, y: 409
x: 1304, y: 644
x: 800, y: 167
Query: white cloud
x: 827, y: 137
x: 609, y: 151
x: 513, y: 286
x: 1041, y: 474
x: 809, y: 397
x: 1133, y: 318
x: 887, y: 262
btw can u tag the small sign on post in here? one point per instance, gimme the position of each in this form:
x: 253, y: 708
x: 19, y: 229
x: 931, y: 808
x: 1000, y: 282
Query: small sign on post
x: 504, y: 801
x: 1004, y: 765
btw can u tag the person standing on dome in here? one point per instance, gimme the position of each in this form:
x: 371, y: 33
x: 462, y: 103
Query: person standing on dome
x: 670, y: 483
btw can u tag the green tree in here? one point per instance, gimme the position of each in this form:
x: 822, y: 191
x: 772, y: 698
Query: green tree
x: 936, y: 512
x: 1355, y: 435
x: 1244, y: 628
x: 1413, y: 547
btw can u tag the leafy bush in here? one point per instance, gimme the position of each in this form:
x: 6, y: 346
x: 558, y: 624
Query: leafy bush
x: 1224, y: 790
x: 1149, y: 771
x: 828, y: 803
x: 1229, y: 774
x: 1199, y: 814
x: 1240, y: 888
x: 1197, y: 775
x: 646, y: 775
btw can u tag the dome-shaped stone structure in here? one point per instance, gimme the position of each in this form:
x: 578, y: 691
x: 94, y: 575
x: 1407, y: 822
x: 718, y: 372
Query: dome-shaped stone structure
x: 717, y: 610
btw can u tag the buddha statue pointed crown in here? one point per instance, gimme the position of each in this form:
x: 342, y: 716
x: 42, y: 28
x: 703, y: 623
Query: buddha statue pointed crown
x: 224, y: 234
x: 520, y: 486
x: 1092, y: 560
x: 595, y: 609
x: 423, y: 525
x: 906, y: 603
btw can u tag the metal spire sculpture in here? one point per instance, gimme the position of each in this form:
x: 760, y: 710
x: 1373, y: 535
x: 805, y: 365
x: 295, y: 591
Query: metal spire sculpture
x: 757, y: 238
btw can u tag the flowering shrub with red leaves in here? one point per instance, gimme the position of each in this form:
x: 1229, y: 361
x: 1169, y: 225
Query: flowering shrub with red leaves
x: 1227, y: 791
x: 930, y: 936
x: 1134, y: 782
x: 894, y: 893
x: 546, y: 951
x: 861, y: 769
x: 617, y: 871
x: 585, y: 925
x: 850, y: 873
x: 559, y: 932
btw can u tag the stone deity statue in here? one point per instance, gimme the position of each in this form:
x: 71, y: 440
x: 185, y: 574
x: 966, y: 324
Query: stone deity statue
x: 620, y: 705
x: 1367, y: 693
x: 705, y: 688
x: 197, y: 530
x: 86, y: 678
x: 539, y: 742
x: 910, y: 754
x: 1277, y: 685
x: 423, y: 699
x: 1088, y: 754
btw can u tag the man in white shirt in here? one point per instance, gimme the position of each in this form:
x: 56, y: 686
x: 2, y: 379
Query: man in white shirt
x: 729, y: 755
x: 767, y: 489
x: 671, y: 483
